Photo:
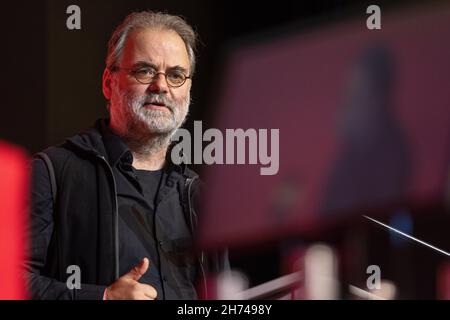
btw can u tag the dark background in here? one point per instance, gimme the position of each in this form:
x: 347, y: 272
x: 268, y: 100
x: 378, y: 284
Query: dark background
x: 51, y: 83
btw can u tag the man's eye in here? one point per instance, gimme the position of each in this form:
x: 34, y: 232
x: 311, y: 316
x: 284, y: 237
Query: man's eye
x: 177, y: 76
x: 144, y: 72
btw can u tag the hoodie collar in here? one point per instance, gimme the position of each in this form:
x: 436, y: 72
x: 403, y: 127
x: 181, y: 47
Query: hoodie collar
x: 100, y: 140
x: 116, y: 148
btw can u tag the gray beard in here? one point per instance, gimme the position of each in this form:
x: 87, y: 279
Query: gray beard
x: 145, y: 130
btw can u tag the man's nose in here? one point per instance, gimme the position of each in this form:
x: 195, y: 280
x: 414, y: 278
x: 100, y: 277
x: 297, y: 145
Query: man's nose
x: 159, y: 84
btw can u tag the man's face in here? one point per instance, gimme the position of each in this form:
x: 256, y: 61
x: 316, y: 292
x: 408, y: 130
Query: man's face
x: 154, y: 108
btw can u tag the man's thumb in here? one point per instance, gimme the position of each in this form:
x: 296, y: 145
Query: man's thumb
x: 138, y: 271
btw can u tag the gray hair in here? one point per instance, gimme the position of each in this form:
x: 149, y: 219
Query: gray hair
x: 150, y: 19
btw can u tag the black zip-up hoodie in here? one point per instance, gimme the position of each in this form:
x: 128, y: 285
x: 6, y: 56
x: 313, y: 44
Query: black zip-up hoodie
x: 86, y: 199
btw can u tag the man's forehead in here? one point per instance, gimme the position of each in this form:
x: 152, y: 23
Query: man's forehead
x: 156, y: 46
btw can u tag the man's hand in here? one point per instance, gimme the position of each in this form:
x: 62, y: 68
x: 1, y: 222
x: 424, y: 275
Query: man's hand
x: 127, y: 286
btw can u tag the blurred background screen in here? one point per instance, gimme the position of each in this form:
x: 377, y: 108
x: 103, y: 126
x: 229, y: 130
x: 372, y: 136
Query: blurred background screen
x: 364, y: 120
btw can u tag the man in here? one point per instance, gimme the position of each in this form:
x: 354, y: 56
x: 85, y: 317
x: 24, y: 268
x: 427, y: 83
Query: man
x: 109, y: 201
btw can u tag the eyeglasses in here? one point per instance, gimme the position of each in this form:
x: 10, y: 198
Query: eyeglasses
x: 174, y: 78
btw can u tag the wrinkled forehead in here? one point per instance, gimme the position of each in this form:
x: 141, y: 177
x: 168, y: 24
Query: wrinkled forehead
x: 160, y: 47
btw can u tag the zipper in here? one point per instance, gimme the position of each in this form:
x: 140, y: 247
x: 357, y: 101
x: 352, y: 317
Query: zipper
x: 194, y: 218
x: 116, y: 218
x: 192, y: 214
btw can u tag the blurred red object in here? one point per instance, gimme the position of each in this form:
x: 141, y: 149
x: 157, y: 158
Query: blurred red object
x: 13, y: 208
x: 443, y: 281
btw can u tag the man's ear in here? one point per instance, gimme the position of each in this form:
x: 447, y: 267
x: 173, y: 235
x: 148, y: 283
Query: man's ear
x: 106, y: 84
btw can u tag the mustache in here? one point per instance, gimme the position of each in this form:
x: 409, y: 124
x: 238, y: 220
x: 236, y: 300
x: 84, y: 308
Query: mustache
x: 156, y: 98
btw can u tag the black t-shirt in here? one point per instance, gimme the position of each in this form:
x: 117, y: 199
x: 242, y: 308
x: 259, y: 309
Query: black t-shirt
x: 150, y: 181
x: 152, y: 223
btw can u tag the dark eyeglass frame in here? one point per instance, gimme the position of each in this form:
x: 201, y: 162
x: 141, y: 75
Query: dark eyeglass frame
x: 134, y: 72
